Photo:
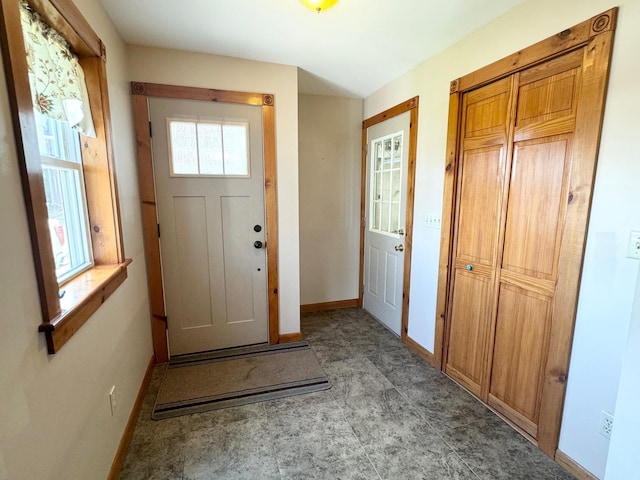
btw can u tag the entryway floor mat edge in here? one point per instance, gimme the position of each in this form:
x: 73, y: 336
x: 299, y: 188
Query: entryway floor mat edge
x: 238, y: 376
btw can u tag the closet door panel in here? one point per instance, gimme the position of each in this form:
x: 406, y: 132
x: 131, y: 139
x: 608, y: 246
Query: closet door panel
x: 520, y: 350
x: 534, y: 225
x: 468, y: 335
x: 532, y: 235
x: 485, y: 110
x: 480, y: 189
x: 549, y: 91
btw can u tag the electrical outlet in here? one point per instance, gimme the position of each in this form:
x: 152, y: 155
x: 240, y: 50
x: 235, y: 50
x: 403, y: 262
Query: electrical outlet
x: 113, y: 400
x: 606, y: 424
x: 634, y: 245
x: 433, y: 220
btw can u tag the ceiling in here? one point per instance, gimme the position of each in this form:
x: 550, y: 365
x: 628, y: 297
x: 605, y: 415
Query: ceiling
x: 352, y: 49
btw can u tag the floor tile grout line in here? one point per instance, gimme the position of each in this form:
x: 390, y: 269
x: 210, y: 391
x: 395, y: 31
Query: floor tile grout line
x: 426, y: 420
x: 357, y: 437
x: 416, y: 409
x: 272, y: 443
x: 437, y: 432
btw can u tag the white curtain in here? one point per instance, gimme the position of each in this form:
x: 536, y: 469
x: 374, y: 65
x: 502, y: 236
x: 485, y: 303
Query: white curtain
x: 56, y: 78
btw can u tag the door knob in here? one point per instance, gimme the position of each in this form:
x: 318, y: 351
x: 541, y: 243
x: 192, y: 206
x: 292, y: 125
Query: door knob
x: 257, y: 244
x: 469, y: 267
x: 399, y: 248
x: 257, y: 228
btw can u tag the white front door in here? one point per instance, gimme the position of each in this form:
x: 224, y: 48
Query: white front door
x: 209, y: 176
x: 385, y: 215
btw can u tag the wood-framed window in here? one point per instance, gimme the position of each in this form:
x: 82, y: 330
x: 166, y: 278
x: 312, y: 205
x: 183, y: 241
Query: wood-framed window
x: 66, y: 307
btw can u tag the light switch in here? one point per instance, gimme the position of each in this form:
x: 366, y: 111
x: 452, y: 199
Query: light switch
x: 432, y: 220
x: 634, y: 245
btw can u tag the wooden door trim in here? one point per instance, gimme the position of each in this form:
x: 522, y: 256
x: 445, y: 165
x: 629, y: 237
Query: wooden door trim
x: 141, y: 92
x: 596, y: 34
x: 411, y: 106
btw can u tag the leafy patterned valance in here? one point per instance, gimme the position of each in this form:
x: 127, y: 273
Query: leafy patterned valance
x: 56, y: 78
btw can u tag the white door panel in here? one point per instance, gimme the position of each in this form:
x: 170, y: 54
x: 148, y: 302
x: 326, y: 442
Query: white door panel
x: 390, y: 276
x: 192, y: 246
x: 215, y: 279
x: 385, y: 213
x: 373, y: 272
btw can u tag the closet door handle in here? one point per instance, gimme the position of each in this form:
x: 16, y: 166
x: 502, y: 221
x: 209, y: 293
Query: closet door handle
x: 469, y: 267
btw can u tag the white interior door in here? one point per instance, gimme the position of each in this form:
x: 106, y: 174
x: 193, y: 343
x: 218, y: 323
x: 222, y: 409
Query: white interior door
x: 385, y: 215
x: 209, y: 176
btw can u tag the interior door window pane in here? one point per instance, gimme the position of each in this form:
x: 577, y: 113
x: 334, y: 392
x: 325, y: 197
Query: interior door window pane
x: 376, y: 216
x: 395, y: 185
x: 387, y: 152
x: 378, y: 156
x: 384, y: 217
x: 397, y: 151
x: 386, y: 184
x: 377, y: 186
x: 395, y: 218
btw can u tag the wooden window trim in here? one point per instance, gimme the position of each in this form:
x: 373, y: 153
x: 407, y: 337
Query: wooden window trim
x: 83, y: 295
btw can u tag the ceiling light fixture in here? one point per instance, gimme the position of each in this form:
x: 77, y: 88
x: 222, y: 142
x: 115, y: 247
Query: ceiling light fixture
x: 319, y: 5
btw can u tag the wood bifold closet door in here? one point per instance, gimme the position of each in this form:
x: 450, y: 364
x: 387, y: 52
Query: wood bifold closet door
x: 519, y: 164
x: 510, y: 222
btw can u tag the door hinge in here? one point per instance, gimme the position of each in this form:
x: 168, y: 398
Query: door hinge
x: 166, y: 322
x: 158, y: 230
x: 150, y: 130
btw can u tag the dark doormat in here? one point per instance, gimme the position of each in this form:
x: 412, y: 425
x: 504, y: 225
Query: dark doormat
x: 238, y: 376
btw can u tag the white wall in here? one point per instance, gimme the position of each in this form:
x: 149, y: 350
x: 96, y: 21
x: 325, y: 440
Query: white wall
x: 329, y: 138
x: 175, y: 67
x: 624, y: 450
x: 609, y: 279
x: 55, y: 419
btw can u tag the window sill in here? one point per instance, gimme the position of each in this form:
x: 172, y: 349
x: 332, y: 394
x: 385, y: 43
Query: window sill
x: 83, y: 296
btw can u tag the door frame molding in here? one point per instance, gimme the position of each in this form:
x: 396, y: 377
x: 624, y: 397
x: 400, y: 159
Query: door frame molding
x: 411, y: 106
x: 141, y: 92
x: 595, y: 37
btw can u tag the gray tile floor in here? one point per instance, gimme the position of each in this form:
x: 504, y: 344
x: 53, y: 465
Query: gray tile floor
x: 389, y: 415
